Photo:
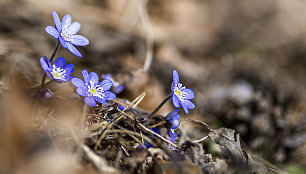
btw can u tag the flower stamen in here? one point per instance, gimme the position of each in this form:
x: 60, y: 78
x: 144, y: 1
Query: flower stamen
x: 178, y: 91
x: 65, y: 35
x: 94, y: 90
x: 58, y: 73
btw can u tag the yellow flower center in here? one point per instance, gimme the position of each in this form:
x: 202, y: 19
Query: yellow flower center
x: 56, y: 75
x: 93, y: 91
x: 178, y: 93
x: 65, y: 35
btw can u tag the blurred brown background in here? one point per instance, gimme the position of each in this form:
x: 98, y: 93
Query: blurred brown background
x: 245, y: 60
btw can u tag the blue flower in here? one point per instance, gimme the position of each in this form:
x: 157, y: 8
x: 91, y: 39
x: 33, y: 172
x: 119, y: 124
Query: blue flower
x: 174, y: 118
x: 172, y: 135
x: 65, y: 32
x: 116, y: 86
x: 180, y: 94
x: 44, y: 95
x: 146, y: 143
x: 92, y: 90
x: 58, y: 71
x: 122, y: 105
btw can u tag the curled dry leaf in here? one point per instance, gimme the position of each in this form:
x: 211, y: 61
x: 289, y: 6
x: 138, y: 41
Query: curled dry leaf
x: 231, y: 142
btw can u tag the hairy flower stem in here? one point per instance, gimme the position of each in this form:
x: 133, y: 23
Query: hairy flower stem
x: 52, y: 57
x: 159, y: 106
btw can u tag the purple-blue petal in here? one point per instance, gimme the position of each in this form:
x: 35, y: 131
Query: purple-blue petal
x: 175, y: 101
x: 189, y: 93
x: 107, y: 76
x: 59, y: 62
x: 172, y: 136
x: 155, y: 129
x: 177, y: 117
x: 66, y: 21
x: 74, y: 28
x: 69, y: 69
x: 90, y: 101
x: 106, y: 84
x: 79, y: 40
x: 57, y: 21
x: 73, y: 50
x: 78, y: 83
x: 93, y: 77
x: 48, y: 62
x: 52, y: 31
x: 46, y: 65
x: 85, y: 75
x: 101, y: 100
x: 68, y: 78
x: 189, y: 104
x: 49, y: 75
x: 44, y: 62
x: 176, y: 77
x: 172, y: 114
x: 109, y: 95
x: 60, y: 80
x: 82, y: 92
x: 44, y: 94
x: 175, y: 124
x: 184, y: 107
x: 119, y: 89
x: 120, y: 107
x: 62, y: 41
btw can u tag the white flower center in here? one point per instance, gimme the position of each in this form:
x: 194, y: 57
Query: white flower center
x: 65, y: 35
x: 58, y: 73
x: 94, y: 90
x: 178, y: 91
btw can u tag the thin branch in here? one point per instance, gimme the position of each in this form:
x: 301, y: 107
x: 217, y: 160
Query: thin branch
x: 145, y: 20
x: 136, y: 101
x: 98, y: 161
x: 124, y: 131
x: 156, y: 134
x: 158, y: 124
x: 106, y: 131
x: 202, y: 139
x: 199, y: 122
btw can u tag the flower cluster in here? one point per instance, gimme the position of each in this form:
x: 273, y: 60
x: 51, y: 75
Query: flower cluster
x: 93, y: 91
x: 181, y: 96
x: 65, y: 31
